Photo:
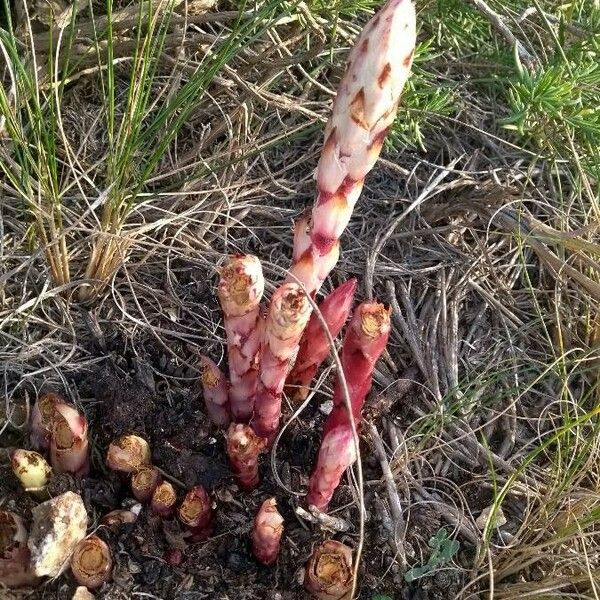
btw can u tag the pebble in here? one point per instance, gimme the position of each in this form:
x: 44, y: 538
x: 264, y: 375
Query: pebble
x: 482, y: 519
x: 58, y: 525
x: 82, y: 593
x: 326, y: 407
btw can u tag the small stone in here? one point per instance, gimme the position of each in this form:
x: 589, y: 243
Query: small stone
x: 483, y: 518
x: 506, y: 537
x: 58, y: 525
x: 326, y: 407
x: 82, y: 593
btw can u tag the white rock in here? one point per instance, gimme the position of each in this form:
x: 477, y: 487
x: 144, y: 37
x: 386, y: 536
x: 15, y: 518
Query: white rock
x: 58, y: 525
x: 483, y: 518
x: 82, y: 593
x: 326, y: 407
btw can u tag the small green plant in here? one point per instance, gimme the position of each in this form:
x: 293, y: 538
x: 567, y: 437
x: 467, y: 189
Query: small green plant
x: 442, y: 550
x: 425, y: 101
x: 343, y: 8
x: 553, y: 108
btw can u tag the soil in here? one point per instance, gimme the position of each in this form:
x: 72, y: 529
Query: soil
x: 122, y: 396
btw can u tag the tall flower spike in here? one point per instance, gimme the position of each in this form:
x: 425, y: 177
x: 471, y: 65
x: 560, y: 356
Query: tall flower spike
x: 240, y: 290
x: 214, y: 390
x: 288, y: 315
x: 314, y: 346
x: 69, y: 451
x: 365, y: 340
x: 363, y: 111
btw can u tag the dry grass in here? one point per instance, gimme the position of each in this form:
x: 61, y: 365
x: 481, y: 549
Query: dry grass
x: 484, y: 245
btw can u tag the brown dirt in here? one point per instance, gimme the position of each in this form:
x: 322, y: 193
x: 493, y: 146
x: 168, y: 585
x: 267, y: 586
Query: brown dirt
x: 187, y: 447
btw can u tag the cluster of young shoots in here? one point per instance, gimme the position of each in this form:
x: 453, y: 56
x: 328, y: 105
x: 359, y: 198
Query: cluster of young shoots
x: 279, y: 347
x: 59, y: 431
x: 272, y: 348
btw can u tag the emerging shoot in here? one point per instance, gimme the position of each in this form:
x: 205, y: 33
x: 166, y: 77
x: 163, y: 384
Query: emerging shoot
x: 91, y: 562
x: 314, y: 345
x: 128, y: 454
x: 69, y: 452
x: 329, y: 571
x: 121, y: 516
x: 42, y: 419
x: 31, y: 469
x: 214, y: 390
x: 15, y: 568
x: 240, y: 290
x: 243, y: 448
x: 288, y: 315
x: 163, y: 500
x: 195, y: 512
x: 267, y: 532
x: 144, y: 482
x: 365, y: 340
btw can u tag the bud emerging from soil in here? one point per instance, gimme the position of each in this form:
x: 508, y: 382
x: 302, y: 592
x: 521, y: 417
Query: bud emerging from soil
x: 13, y: 533
x: 267, y: 532
x: 195, y: 512
x: 15, y: 568
x: 314, y: 345
x: 42, y: 418
x: 144, y: 482
x: 163, y: 500
x: 364, y: 342
x: 243, y: 449
x: 214, y: 390
x: 363, y: 112
x: 288, y: 315
x: 128, y: 454
x: 240, y: 290
x: 31, y: 469
x: 91, y: 562
x: 329, y: 572
x: 69, y: 452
